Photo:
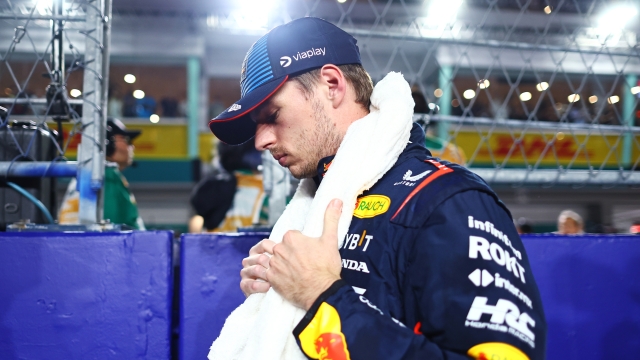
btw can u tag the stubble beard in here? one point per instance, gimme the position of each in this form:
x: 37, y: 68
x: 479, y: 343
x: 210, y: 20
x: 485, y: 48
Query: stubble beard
x: 316, y: 144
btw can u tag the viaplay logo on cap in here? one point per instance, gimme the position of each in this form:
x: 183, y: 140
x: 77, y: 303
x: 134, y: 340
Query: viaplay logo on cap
x: 285, y: 61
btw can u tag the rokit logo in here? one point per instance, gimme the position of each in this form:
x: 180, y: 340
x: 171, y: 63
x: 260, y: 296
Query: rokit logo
x: 285, y: 61
x: 484, y: 278
x: 408, y: 179
x: 504, y: 311
x: 493, y: 251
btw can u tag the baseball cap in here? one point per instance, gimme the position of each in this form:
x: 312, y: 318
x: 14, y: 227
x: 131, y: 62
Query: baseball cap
x: 116, y: 127
x: 286, y: 51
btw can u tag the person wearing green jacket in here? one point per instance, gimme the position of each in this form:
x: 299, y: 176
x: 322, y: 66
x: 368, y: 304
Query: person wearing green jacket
x: 120, y: 206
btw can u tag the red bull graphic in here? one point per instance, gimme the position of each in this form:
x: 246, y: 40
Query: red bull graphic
x: 496, y: 351
x: 323, y: 339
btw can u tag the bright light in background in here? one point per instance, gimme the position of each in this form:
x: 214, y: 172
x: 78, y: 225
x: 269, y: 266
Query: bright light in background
x: 525, y: 96
x: 542, y: 86
x: 469, y: 94
x: 573, y: 98
x: 138, y: 94
x: 635, y: 90
x: 433, y: 106
x: 437, y: 92
x: 547, y: 9
x: 483, y: 84
x: 442, y: 12
x: 342, y: 1
x: 129, y: 78
x: 44, y: 7
x: 154, y: 118
x: 593, y: 99
x: 613, y: 99
x: 253, y: 14
x: 75, y: 93
x: 616, y: 17
x: 560, y: 136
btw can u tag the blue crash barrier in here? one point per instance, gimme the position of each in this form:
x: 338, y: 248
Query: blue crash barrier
x: 85, y: 295
x: 209, y: 286
x: 591, y: 294
x: 589, y: 284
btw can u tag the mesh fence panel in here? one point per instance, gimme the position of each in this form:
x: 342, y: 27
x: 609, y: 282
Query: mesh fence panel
x: 522, y: 92
x: 52, y: 73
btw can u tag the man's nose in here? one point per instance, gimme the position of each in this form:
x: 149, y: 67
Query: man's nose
x: 264, y: 137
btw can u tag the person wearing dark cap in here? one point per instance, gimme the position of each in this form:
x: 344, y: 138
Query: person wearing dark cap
x: 120, y: 205
x: 384, y: 252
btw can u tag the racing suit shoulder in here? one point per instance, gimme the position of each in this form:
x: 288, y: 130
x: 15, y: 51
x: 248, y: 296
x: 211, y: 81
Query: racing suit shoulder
x: 444, y: 180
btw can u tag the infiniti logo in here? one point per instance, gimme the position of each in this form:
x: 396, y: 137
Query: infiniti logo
x: 285, y: 61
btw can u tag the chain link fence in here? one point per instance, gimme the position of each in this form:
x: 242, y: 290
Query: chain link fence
x: 53, y: 94
x: 531, y: 92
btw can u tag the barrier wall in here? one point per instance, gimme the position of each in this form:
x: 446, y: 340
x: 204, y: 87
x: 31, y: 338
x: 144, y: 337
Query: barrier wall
x: 85, y: 295
x: 589, y: 286
x: 209, y: 286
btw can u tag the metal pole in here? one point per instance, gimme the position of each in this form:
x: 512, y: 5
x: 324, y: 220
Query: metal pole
x: 628, y: 115
x: 193, y: 86
x: 106, y: 57
x: 90, y: 151
x: 444, y: 82
x: 38, y: 169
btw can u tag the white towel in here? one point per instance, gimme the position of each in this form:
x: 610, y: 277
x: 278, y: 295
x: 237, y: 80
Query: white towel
x: 261, y: 328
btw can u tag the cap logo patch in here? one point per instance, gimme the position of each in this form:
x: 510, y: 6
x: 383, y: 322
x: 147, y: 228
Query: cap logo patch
x: 285, y: 61
x: 234, y: 107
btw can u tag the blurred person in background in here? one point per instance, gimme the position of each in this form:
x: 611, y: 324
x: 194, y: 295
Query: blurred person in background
x: 232, y: 196
x: 635, y: 228
x: 570, y: 222
x: 120, y: 206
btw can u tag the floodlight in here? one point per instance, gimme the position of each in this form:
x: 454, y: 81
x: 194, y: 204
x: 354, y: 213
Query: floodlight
x: 573, y: 98
x: 469, y: 94
x: 138, y: 94
x: 525, y: 96
x: 75, y: 93
x: 542, y: 86
x: 616, y: 17
x: 443, y: 12
x: 154, y: 118
x: 129, y: 78
x: 613, y: 99
x: 593, y: 99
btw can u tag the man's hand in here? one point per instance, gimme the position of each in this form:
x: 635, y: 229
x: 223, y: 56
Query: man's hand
x: 301, y: 267
x: 254, y: 268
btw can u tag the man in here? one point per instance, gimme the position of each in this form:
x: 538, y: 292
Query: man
x: 570, y: 223
x: 439, y: 273
x: 119, y: 204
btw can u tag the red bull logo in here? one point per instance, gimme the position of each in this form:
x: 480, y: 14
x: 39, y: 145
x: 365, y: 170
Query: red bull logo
x: 331, y: 346
x: 496, y: 351
x: 323, y: 339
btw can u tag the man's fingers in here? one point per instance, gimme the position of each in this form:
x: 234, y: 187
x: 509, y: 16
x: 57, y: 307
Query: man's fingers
x: 254, y: 272
x: 331, y: 219
x: 249, y: 287
x: 263, y: 246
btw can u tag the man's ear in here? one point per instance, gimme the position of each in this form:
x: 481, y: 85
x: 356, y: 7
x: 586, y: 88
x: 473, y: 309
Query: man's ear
x: 335, y: 84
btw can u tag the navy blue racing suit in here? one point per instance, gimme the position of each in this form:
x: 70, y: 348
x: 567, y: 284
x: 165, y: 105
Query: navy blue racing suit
x: 432, y: 268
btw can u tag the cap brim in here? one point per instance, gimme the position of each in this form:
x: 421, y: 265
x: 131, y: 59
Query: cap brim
x: 132, y: 134
x: 234, y: 125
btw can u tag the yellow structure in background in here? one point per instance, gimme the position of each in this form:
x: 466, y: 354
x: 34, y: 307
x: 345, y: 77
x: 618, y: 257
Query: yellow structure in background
x: 549, y: 148
x: 480, y: 147
x: 157, y: 142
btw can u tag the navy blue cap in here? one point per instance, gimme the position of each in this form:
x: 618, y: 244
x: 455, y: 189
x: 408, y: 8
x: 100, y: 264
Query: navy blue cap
x: 286, y: 51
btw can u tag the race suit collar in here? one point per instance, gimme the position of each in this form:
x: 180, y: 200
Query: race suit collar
x: 414, y: 147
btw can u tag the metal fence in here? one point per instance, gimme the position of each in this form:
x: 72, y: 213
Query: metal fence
x: 54, y: 70
x: 532, y: 92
